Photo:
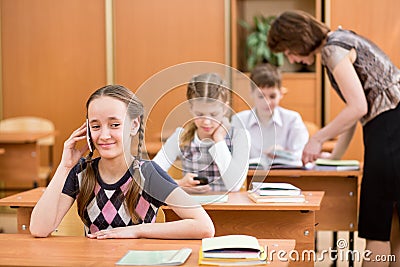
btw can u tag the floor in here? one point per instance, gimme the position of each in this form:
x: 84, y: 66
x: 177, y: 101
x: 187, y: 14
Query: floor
x: 325, y: 242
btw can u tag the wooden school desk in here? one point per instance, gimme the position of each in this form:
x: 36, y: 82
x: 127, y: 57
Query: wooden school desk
x: 25, y: 250
x: 21, y: 161
x: 24, y: 202
x: 240, y: 215
x: 339, y: 207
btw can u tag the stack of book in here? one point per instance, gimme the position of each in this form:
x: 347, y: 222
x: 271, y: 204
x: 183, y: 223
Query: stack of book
x: 232, y: 250
x: 275, y: 192
x: 336, y: 165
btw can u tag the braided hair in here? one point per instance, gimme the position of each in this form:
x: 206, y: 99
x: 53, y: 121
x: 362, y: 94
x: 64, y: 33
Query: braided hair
x: 135, y: 109
x: 208, y: 86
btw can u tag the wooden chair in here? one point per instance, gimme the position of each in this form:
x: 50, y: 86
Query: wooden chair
x: 71, y: 224
x: 34, y: 124
x: 160, y: 216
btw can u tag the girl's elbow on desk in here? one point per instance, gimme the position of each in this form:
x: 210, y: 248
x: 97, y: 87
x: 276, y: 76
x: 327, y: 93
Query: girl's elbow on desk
x: 37, y: 231
x: 38, y: 227
x: 206, y: 229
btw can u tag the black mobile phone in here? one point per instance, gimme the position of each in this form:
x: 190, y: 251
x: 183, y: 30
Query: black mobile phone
x: 203, y: 180
x: 89, y: 137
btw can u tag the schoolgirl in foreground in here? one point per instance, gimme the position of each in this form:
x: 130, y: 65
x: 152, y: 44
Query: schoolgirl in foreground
x: 118, y: 195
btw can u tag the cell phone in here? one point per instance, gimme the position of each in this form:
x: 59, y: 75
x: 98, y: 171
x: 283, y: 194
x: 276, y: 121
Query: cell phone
x: 203, y: 180
x: 89, y: 137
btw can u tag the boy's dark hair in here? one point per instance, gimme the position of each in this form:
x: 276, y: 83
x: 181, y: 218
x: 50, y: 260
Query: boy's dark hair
x: 265, y: 75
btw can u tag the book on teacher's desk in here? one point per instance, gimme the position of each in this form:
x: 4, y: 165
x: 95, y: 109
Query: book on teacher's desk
x: 231, y: 250
x: 336, y: 165
x: 276, y: 199
x: 275, y: 189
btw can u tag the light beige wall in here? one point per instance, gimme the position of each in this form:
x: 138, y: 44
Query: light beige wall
x: 52, y: 58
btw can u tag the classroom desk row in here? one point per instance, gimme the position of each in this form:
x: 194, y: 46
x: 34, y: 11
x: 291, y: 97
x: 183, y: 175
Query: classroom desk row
x: 339, y: 208
x: 25, y: 250
x: 20, y: 158
x: 337, y: 211
x: 239, y: 215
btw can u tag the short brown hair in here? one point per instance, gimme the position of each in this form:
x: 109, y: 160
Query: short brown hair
x: 265, y: 75
x: 296, y: 31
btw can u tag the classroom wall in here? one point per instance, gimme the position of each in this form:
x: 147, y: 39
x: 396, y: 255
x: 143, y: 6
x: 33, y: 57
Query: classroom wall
x: 53, y: 54
x: 378, y: 21
x: 52, y: 58
x: 54, y: 51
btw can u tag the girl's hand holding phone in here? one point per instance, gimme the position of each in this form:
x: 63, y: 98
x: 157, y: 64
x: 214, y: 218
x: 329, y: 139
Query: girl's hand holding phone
x: 71, y: 154
x: 192, y: 186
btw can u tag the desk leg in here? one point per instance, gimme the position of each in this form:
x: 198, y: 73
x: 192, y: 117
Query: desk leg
x: 351, y: 247
x: 334, y: 247
x: 24, y: 219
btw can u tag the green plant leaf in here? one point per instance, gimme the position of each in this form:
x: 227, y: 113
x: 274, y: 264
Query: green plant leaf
x: 280, y: 59
x: 256, y: 42
x: 252, y: 40
x: 251, y: 62
x: 245, y: 24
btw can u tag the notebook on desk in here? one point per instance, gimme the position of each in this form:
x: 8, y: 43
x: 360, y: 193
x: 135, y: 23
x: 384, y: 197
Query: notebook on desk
x: 336, y: 165
x: 155, y: 257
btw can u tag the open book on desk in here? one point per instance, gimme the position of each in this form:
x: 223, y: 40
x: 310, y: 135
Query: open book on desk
x: 231, y: 250
x: 281, y: 161
x: 155, y: 257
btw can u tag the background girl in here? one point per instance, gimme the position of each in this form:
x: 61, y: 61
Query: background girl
x: 207, y: 145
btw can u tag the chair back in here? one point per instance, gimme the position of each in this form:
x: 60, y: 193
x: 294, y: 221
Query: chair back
x: 29, y: 124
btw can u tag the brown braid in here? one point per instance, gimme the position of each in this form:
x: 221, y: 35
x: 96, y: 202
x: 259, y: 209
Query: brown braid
x: 86, y: 189
x: 132, y: 194
x: 135, y: 109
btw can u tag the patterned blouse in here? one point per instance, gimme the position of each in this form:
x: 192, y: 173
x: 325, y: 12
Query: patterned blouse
x: 379, y: 77
x: 107, y: 209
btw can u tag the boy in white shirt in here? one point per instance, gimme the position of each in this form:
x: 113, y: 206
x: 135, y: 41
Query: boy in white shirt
x: 278, y: 135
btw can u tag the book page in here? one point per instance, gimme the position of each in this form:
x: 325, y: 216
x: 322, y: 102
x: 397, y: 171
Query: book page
x: 230, y: 241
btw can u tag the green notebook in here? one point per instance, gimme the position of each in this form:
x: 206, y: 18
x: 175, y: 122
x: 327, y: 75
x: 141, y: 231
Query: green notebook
x: 333, y: 162
x: 155, y: 257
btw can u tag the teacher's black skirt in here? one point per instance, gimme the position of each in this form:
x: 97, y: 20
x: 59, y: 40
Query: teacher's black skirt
x: 380, y: 187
